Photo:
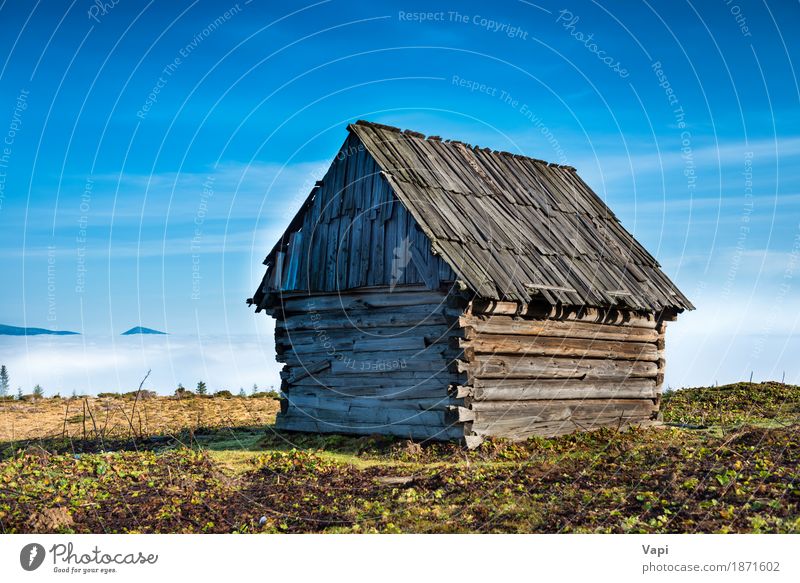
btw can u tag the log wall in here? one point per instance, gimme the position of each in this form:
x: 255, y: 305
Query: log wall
x: 421, y: 364
x: 539, y: 371
x: 369, y: 361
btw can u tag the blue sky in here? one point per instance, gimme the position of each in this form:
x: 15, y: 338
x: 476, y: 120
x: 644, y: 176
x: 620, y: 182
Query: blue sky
x: 121, y: 206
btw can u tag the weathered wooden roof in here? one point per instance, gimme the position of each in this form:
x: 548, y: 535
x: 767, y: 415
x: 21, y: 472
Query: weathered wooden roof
x: 517, y: 228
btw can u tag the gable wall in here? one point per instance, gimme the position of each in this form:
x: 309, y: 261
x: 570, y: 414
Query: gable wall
x: 355, y: 233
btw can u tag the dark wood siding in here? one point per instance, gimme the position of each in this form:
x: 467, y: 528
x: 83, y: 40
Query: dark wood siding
x: 354, y: 233
x: 368, y: 362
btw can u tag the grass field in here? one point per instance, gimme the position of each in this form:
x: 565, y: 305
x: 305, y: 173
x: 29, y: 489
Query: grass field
x: 726, y: 460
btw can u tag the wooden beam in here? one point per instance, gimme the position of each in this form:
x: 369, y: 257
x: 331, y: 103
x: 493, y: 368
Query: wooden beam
x: 556, y: 328
x: 502, y: 366
x: 539, y: 310
x: 557, y: 410
x: 399, y: 392
x: 362, y: 299
x: 526, y: 390
x: 573, y: 347
x: 520, y: 429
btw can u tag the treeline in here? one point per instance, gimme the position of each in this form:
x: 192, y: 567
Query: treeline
x: 5, y: 388
x: 180, y: 392
x: 202, y: 391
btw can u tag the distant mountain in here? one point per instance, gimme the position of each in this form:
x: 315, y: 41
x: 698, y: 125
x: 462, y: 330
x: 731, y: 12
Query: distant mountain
x: 18, y: 331
x: 141, y: 330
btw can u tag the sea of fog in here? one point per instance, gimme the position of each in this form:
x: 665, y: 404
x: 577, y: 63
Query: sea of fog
x: 699, y: 353
x: 90, y: 364
x: 704, y: 349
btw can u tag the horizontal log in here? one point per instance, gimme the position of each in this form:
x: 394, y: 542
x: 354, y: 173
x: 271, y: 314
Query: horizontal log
x: 525, y: 390
x: 545, y: 346
x: 353, y: 300
x: 413, y: 343
x: 606, y: 316
x: 408, y: 316
x: 553, y: 429
x: 541, y: 367
x: 485, y: 425
x: 379, y: 417
x: 385, y: 379
x: 313, y: 336
x: 307, y: 341
x: 555, y: 328
x: 396, y: 392
x: 405, y: 348
x: 434, y: 354
x: 558, y: 410
x: 388, y: 364
x: 421, y: 432
x: 336, y: 402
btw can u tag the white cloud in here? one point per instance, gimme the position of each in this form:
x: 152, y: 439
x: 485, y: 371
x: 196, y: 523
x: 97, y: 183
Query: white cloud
x: 726, y: 154
x: 93, y: 364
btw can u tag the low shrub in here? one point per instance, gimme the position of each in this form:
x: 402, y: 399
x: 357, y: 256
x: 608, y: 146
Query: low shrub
x: 144, y: 394
x: 266, y: 395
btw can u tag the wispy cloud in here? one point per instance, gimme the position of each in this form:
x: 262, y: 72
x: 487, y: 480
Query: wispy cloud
x: 726, y: 154
x: 162, y: 245
x: 259, y: 190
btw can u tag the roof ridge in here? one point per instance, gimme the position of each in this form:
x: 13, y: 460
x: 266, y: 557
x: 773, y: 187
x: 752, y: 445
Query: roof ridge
x: 436, y: 138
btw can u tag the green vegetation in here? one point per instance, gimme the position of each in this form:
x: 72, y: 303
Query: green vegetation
x: 5, y: 381
x: 183, y: 393
x: 728, y: 464
x: 266, y: 395
x: 731, y: 405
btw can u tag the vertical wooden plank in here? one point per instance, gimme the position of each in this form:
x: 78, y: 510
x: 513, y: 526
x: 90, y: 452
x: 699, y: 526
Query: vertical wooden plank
x: 321, y: 232
x: 295, y: 260
x: 365, y: 243
x: 277, y: 271
x: 330, y: 255
x: 350, y: 165
x: 343, y: 247
x: 389, y: 244
x: 378, y: 235
x: 354, y: 267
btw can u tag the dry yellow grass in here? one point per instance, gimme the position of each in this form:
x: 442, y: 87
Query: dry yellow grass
x: 114, y: 417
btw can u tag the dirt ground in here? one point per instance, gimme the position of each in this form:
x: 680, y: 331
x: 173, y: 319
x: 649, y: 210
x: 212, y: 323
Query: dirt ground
x: 726, y: 460
x: 116, y: 417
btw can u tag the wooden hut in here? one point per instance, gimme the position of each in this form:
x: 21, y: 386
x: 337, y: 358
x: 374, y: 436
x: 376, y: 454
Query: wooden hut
x: 434, y: 290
